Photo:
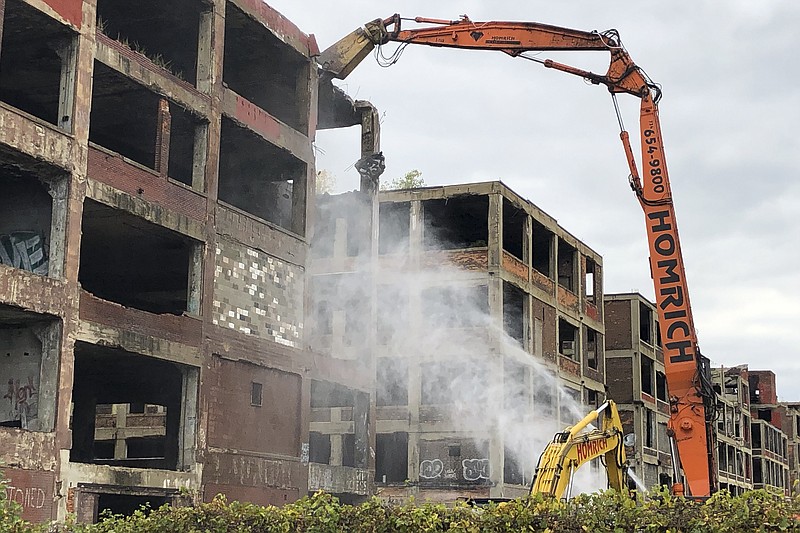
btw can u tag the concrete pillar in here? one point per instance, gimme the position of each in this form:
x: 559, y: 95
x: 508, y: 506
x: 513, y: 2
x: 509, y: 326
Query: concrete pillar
x: 163, y: 127
x: 495, y: 223
x: 68, y: 52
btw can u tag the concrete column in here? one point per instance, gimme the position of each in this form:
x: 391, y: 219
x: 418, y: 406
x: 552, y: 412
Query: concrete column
x: 163, y: 127
x: 495, y: 223
x: 68, y: 52
x: 120, y: 444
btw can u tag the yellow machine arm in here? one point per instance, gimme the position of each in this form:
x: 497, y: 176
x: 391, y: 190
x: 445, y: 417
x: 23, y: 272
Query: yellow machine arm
x: 575, y: 446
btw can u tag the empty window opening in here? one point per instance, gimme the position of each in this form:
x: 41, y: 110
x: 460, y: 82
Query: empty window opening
x: 122, y: 433
x: 591, y: 289
x: 124, y: 116
x: 542, y: 249
x: 348, y: 450
x: 391, y: 457
x: 393, y: 319
x: 319, y: 448
x: 544, y: 398
x: 645, y: 323
x: 135, y: 263
x: 392, y: 382
x: 758, y: 476
x: 395, y: 219
x: 593, y: 348
x: 456, y: 307
x: 165, y: 32
x: 567, y: 339
x: 339, y: 305
x: 649, y: 428
x: 32, y: 214
x: 514, y: 312
x: 647, y: 375
x: 513, y: 229
x: 127, y: 504
x: 658, y: 334
x: 661, y: 387
x: 256, y: 394
x: 569, y: 405
x: 261, y: 179
x: 593, y: 398
x: 756, y: 435
x: 765, y: 414
x: 456, y: 223
x: 444, y: 381
x: 513, y: 473
x: 105, y: 431
x: 326, y: 394
x: 516, y: 398
x: 29, y: 355
x: 187, y: 143
x: 37, y: 55
x: 260, y: 67
x: 566, y: 265
x: 341, y: 225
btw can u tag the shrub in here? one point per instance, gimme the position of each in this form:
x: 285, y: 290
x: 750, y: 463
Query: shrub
x: 322, y: 513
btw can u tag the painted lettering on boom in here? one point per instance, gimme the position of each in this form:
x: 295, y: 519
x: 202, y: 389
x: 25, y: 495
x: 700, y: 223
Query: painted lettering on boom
x: 670, y: 296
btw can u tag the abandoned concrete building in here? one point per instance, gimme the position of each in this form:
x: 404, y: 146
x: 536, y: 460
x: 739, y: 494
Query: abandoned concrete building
x: 769, y: 442
x: 637, y: 382
x: 483, y: 303
x: 732, y: 432
x: 155, y: 159
x: 790, y: 425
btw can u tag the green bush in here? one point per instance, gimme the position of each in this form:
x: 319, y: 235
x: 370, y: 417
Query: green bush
x: 322, y: 513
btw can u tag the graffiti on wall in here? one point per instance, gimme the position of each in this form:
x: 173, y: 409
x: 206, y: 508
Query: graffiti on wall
x: 431, y: 468
x: 475, y: 469
x: 25, y: 250
x: 27, y: 498
x: 471, y: 469
x: 22, y: 405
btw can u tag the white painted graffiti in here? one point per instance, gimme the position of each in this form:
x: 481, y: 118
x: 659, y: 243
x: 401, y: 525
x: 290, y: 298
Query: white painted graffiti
x: 25, y: 250
x: 475, y: 469
x: 28, y: 498
x: 431, y: 468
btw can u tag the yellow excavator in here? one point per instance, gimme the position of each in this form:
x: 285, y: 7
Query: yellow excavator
x: 577, y: 445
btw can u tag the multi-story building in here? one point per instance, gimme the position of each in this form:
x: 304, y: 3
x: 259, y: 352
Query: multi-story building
x: 790, y: 425
x: 770, y: 443
x: 732, y: 429
x: 637, y: 382
x: 155, y: 159
x: 489, y: 335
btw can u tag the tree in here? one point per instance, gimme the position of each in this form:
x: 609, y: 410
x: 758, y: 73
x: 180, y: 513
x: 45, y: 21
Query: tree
x: 411, y: 180
x: 326, y: 182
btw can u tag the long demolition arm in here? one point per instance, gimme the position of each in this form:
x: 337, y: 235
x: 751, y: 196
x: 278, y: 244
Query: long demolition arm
x: 690, y: 395
x: 575, y: 446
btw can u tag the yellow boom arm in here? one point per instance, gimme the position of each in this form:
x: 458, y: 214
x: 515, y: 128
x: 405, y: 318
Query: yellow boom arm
x: 575, y: 446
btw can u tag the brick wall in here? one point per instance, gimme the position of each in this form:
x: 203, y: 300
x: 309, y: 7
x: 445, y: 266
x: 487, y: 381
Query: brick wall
x: 257, y: 294
x: 272, y: 427
x: 619, y: 379
x: 618, y: 324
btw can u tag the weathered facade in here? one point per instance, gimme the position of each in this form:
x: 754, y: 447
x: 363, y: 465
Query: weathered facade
x: 732, y: 430
x: 483, y: 303
x: 769, y: 441
x: 637, y: 382
x: 155, y: 159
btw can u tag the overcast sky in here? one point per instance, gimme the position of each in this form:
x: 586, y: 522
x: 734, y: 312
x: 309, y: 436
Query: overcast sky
x: 730, y: 115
